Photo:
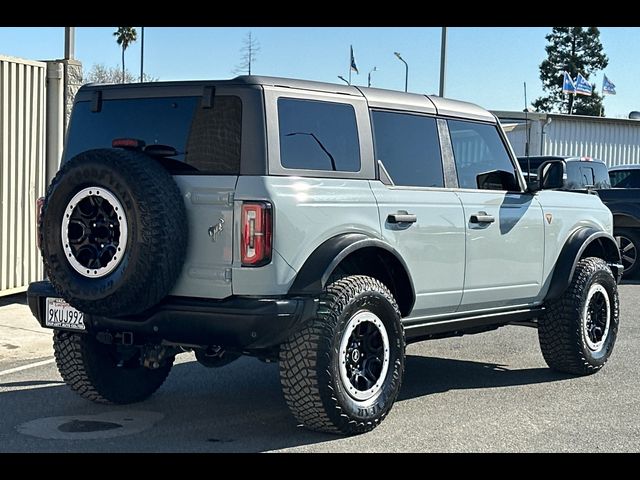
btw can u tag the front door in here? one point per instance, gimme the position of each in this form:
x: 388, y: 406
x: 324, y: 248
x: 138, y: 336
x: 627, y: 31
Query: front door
x: 504, y: 226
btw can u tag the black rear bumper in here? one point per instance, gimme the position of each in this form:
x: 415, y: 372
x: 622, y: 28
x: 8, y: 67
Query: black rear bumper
x: 239, y: 322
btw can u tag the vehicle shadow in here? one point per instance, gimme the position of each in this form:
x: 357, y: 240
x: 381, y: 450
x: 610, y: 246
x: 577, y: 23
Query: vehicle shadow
x: 238, y: 408
x: 428, y: 375
x: 17, y: 298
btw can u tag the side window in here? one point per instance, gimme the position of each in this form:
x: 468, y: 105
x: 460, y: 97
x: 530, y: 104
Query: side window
x: 409, y: 148
x: 478, y: 149
x: 316, y: 135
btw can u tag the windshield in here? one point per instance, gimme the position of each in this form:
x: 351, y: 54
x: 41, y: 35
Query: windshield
x: 625, y: 178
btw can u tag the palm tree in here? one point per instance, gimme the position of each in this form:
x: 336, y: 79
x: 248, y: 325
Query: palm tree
x: 125, y: 36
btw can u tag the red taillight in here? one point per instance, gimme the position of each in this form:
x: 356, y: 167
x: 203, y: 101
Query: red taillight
x: 256, y: 234
x: 127, y: 143
x: 39, y: 205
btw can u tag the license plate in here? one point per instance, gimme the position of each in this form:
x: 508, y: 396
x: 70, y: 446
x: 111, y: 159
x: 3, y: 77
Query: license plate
x: 62, y: 315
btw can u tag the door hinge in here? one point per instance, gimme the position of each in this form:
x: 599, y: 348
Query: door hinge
x: 230, y: 199
x: 227, y: 275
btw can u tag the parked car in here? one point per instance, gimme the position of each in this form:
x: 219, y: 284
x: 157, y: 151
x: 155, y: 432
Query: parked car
x: 614, y: 187
x: 625, y: 176
x: 318, y: 225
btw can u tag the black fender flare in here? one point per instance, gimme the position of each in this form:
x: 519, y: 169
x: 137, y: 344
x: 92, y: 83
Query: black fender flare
x: 314, y: 274
x: 572, y: 252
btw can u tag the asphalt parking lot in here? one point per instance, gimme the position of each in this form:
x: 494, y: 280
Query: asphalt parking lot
x: 479, y: 393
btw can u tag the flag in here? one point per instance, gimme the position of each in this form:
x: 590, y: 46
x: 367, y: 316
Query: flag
x: 608, y: 87
x: 353, y: 62
x: 567, y: 84
x: 583, y: 87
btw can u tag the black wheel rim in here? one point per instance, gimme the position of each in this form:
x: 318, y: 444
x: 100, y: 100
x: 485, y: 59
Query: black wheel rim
x: 597, y: 317
x: 364, y: 355
x: 628, y: 252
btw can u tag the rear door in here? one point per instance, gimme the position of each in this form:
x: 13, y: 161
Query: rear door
x: 207, y: 137
x: 504, y: 226
x: 419, y: 217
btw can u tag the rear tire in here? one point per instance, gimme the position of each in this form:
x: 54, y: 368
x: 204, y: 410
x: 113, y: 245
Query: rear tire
x: 629, y: 242
x: 342, y: 372
x: 91, y: 369
x: 578, y: 331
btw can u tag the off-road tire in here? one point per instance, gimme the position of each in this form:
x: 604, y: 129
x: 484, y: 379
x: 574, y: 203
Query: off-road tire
x: 157, y: 232
x: 90, y: 369
x: 561, y: 330
x: 309, y: 360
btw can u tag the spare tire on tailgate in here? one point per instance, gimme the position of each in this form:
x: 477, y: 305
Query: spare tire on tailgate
x: 114, y: 232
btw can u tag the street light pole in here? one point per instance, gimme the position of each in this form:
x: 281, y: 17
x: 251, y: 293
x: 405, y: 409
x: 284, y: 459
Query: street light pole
x: 344, y: 79
x: 375, y: 69
x: 406, y: 71
x: 443, y: 60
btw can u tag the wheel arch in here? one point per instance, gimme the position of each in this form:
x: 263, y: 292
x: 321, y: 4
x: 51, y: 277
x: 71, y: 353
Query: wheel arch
x: 625, y: 220
x: 357, y: 253
x: 582, y: 243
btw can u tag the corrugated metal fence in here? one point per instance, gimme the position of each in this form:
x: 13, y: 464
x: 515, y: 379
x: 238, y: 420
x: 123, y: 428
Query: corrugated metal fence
x: 22, y: 170
x: 616, y: 141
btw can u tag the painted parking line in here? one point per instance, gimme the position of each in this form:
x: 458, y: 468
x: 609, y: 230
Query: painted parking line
x: 26, y: 367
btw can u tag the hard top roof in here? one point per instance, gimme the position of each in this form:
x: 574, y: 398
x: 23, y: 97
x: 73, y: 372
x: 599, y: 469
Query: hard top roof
x: 376, y: 97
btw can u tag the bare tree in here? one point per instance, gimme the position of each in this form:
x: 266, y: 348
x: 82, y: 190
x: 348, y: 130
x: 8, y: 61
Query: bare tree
x: 100, y: 73
x: 248, y: 52
x: 125, y: 36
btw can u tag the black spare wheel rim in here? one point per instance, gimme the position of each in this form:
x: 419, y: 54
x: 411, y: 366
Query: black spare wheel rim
x: 94, y: 232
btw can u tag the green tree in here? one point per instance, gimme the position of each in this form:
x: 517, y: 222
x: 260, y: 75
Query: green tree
x: 248, y: 54
x: 125, y: 36
x: 574, y: 50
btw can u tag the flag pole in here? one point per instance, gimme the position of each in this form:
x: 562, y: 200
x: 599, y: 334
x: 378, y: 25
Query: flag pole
x: 602, y: 93
x: 350, y: 50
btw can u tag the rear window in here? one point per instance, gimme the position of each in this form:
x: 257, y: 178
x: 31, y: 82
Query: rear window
x: 581, y: 175
x: 318, y: 135
x: 207, y: 139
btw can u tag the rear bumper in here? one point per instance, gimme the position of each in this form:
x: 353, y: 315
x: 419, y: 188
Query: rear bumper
x: 239, y: 322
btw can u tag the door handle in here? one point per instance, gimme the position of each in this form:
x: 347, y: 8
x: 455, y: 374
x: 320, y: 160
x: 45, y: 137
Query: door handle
x: 482, y: 217
x: 401, y: 217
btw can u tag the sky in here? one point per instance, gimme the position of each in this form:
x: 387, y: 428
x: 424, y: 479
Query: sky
x: 485, y: 65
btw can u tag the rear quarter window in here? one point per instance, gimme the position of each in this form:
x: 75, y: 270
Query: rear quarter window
x: 318, y: 135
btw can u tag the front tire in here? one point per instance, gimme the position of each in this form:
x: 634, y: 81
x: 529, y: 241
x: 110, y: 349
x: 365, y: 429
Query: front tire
x: 96, y: 372
x: 342, y: 372
x: 578, y: 331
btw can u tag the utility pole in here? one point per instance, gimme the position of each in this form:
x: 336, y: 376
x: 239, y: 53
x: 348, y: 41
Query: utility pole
x: 69, y: 42
x: 141, y: 53
x: 443, y: 60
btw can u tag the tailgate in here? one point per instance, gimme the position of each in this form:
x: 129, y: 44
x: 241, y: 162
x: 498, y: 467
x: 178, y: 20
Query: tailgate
x: 207, y: 267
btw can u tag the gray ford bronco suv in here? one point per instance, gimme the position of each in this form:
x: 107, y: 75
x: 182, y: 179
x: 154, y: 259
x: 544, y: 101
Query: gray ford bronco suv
x: 321, y: 226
